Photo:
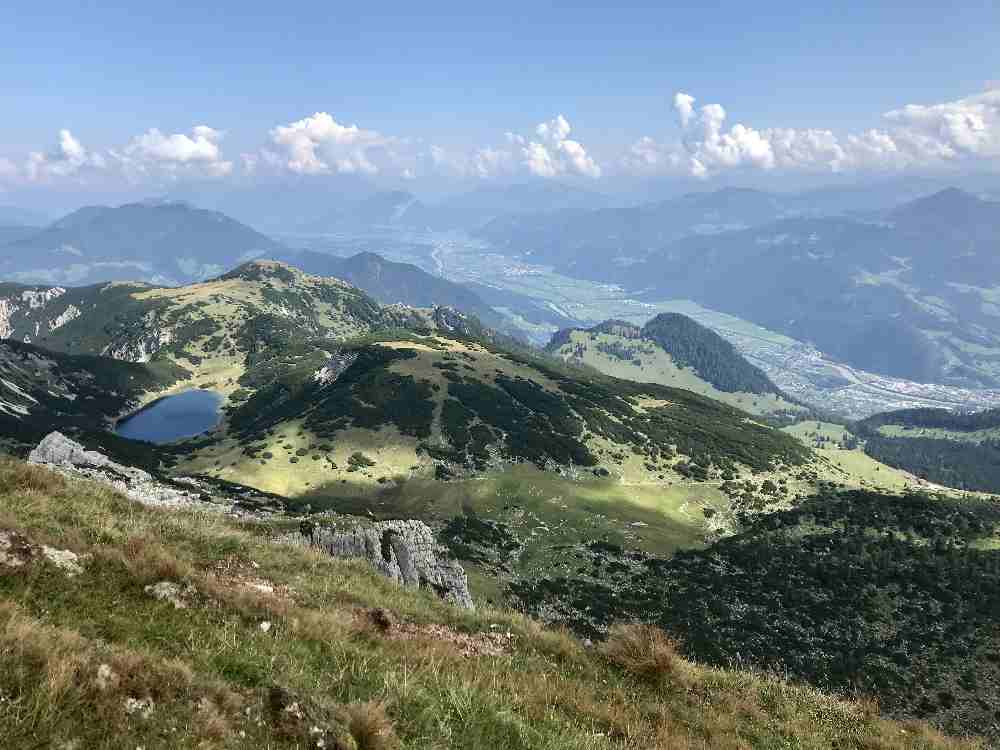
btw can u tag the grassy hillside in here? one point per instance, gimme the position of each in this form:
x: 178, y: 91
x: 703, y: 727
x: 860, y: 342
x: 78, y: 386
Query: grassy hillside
x: 451, y: 405
x: 209, y: 329
x: 281, y: 647
x: 675, y: 351
x: 956, y: 450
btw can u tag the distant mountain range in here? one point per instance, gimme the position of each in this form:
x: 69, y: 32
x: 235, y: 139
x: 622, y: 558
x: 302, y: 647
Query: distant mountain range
x: 167, y: 243
x: 909, y: 292
x: 470, y: 210
x: 910, y: 296
x: 584, y: 242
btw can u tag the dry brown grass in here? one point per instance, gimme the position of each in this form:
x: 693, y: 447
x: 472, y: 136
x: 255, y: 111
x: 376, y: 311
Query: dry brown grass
x: 646, y: 652
x: 79, y: 676
x: 17, y: 476
x: 370, y: 726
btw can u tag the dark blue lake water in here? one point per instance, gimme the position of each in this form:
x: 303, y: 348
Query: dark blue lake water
x: 183, y: 415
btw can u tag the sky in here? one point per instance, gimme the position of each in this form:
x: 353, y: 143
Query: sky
x: 145, y: 95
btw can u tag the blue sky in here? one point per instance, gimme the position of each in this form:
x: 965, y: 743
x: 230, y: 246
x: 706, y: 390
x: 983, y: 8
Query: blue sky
x: 460, y: 77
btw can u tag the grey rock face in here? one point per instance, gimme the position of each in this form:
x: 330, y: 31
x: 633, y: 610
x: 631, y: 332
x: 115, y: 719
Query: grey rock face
x: 335, y: 367
x: 73, y: 460
x: 69, y: 457
x: 404, y: 551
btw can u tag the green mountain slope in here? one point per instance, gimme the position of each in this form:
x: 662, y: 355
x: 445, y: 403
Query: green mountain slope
x: 955, y: 450
x: 451, y: 405
x: 210, y: 325
x: 672, y: 349
x: 712, y: 358
x: 41, y: 391
x: 530, y: 470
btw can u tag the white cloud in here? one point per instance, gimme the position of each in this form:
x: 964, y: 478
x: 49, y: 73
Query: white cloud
x: 490, y: 161
x: 482, y: 163
x: 649, y: 156
x: 968, y: 127
x: 913, y: 136
x: 66, y: 159
x: 155, y: 152
x: 321, y: 145
x: 554, y: 130
x: 684, y: 104
x: 152, y: 154
x: 554, y: 154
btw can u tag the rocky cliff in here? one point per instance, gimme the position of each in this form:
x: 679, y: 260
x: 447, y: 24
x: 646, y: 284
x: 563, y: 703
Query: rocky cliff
x: 405, y: 551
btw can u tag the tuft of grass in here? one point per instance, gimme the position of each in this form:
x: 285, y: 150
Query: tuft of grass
x: 370, y: 726
x: 646, y: 652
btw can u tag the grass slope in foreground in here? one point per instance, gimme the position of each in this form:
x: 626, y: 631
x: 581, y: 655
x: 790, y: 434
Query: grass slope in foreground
x: 92, y: 660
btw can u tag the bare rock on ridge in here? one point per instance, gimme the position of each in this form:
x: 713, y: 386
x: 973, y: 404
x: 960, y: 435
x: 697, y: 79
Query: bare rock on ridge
x: 405, y: 551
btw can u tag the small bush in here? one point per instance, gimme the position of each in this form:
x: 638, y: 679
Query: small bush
x: 360, y: 460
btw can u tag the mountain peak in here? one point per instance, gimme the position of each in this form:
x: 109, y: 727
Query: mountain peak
x: 948, y: 200
x: 263, y: 269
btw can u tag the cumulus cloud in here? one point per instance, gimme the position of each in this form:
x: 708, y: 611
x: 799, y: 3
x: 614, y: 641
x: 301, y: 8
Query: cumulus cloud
x: 483, y: 163
x: 913, y: 136
x: 553, y: 153
x: 967, y: 127
x: 684, y: 105
x: 488, y: 162
x: 152, y: 154
x: 67, y: 158
x: 321, y: 145
x: 157, y: 152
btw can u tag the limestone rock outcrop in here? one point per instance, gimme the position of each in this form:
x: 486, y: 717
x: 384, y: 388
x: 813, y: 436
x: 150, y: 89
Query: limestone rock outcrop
x: 71, y: 459
x: 405, y: 551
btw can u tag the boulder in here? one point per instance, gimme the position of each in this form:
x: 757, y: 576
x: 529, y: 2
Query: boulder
x: 405, y: 551
x: 70, y: 458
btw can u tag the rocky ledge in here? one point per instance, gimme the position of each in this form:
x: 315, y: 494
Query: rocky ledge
x: 69, y: 458
x: 405, y: 551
